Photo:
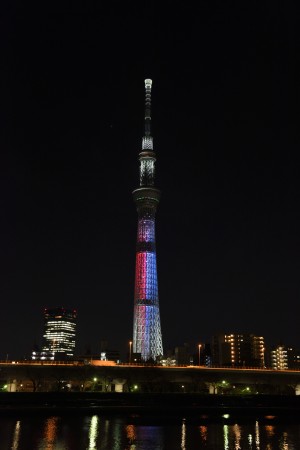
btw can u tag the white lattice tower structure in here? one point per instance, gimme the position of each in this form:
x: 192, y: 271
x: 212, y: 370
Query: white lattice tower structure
x: 147, y: 339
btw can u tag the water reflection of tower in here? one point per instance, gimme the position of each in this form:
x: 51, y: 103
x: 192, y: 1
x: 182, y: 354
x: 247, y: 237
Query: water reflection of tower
x: 147, y: 339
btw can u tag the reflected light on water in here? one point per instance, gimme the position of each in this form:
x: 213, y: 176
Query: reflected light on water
x: 284, y: 445
x: 117, y: 435
x: 16, y: 436
x: 105, y: 436
x: 96, y: 432
x: 237, y: 437
x: 131, y: 436
x: 250, y: 440
x: 146, y: 437
x: 93, y: 432
x: 270, y: 430
x: 226, y: 439
x: 257, y: 438
x: 203, y: 433
x: 50, y: 432
x: 183, y: 435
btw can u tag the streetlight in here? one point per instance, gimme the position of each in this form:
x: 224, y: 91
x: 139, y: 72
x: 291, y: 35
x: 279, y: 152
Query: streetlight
x: 130, y: 347
x: 199, y: 348
x: 95, y: 381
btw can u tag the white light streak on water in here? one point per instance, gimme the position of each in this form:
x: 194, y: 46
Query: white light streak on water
x: 93, y: 433
x: 226, y: 439
x: 16, y: 436
x: 183, y: 435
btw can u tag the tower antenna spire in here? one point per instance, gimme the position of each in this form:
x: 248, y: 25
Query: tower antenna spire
x: 148, y: 87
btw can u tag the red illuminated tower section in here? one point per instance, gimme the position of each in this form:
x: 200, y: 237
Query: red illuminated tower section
x: 147, y: 340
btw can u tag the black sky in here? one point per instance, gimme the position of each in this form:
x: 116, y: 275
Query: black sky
x: 225, y: 114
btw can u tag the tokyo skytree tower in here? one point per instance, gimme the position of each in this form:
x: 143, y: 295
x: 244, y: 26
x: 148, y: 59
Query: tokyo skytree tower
x: 147, y: 340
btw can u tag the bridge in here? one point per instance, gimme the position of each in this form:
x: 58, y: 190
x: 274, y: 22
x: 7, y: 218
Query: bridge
x: 34, y: 376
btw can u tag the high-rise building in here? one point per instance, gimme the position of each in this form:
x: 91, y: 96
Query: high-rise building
x: 279, y: 358
x: 284, y: 357
x: 147, y: 339
x: 183, y: 355
x: 238, y: 350
x: 293, y: 358
x: 59, y: 332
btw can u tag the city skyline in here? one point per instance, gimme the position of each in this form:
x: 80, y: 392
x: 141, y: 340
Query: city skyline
x: 225, y: 129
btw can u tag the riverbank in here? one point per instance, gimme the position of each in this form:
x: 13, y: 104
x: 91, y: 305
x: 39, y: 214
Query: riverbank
x: 168, y: 405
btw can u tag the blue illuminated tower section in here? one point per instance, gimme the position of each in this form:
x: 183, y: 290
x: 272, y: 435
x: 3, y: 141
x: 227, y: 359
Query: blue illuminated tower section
x: 147, y: 340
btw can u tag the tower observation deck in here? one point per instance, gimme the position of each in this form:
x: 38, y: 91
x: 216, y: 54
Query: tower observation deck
x: 147, y: 340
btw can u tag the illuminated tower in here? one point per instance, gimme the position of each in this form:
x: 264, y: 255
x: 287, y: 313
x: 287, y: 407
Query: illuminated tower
x: 147, y: 339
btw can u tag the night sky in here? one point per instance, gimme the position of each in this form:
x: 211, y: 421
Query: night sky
x: 225, y: 123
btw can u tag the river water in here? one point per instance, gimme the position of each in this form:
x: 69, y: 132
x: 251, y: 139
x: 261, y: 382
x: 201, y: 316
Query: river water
x: 82, y: 432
